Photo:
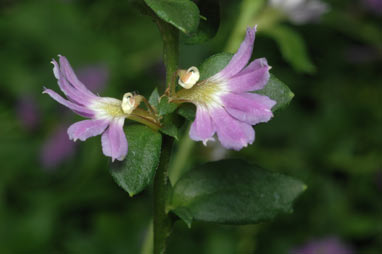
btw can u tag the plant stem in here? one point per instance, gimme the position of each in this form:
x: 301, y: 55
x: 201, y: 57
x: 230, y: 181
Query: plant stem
x: 248, y: 10
x: 181, y: 158
x: 162, y: 221
x: 170, y: 37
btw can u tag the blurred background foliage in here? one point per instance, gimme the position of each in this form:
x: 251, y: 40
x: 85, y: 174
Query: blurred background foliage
x: 58, y: 197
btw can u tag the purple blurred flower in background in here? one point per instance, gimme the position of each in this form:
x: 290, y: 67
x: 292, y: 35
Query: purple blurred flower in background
x: 57, y: 148
x: 28, y: 112
x: 94, y: 77
x: 224, y: 102
x: 301, y: 11
x: 330, y: 245
x: 107, y: 115
x: 374, y: 6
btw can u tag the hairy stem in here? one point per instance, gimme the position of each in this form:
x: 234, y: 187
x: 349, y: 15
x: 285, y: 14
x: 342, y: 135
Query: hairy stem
x: 170, y: 37
x: 162, y: 220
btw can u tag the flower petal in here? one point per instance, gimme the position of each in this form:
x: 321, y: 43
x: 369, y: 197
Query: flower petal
x: 85, y: 129
x: 202, y: 129
x: 242, y: 56
x: 68, y: 73
x: 114, y: 142
x: 254, y: 77
x: 73, y: 106
x: 232, y: 133
x: 248, y: 107
x: 71, y: 92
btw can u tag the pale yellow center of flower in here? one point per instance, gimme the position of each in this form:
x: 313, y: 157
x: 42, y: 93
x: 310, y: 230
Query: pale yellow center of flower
x: 206, y: 93
x: 107, y: 108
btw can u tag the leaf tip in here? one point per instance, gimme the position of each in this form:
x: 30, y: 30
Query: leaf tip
x: 291, y: 95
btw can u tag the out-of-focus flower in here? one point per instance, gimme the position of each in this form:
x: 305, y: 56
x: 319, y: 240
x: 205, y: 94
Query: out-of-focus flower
x: 28, y: 112
x: 374, y: 6
x: 107, y: 115
x: 56, y: 149
x: 94, y: 77
x: 330, y: 245
x: 224, y: 102
x: 301, y: 11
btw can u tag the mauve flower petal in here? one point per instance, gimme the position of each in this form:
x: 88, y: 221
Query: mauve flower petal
x: 242, y: 56
x: 249, y: 81
x: 114, y: 143
x: 254, y: 66
x: 69, y: 74
x: 85, y: 129
x: 72, y: 93
x: 77, y: 108
x: 232, y: 133
x: 202, y: 129
x: 248, y: 107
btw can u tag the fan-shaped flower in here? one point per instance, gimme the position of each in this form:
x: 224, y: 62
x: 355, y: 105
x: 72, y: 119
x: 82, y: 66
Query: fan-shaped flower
x: 224, y: 102
x: 107, y: 115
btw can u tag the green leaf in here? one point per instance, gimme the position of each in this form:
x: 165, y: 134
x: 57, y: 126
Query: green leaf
x: 183, y: 14
x: 169, y: 126
x: 188, y: 111
x: 138, y: 169
x: 214, y: 64
x: 233, y: 192
x: 209, y: 25
x: 278, y: 91
x: 154, y: 98
x: 292, y: 47
x: 166, y: 107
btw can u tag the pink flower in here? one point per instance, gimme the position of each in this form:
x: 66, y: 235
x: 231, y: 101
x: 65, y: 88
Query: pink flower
x: 224, y: 102
x: 106, y: 114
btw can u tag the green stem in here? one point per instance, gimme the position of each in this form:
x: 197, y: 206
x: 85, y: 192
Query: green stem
x: 147, y: 246
x: 170, y: 37
x: 181, y: 158
x: 162, y: 221
x: 248, y: 10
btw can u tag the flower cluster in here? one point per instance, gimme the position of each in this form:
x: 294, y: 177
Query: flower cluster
x: 225, y: 104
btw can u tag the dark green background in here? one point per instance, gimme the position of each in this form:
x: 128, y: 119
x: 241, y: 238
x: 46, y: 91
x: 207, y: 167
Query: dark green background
x: 329, y: 137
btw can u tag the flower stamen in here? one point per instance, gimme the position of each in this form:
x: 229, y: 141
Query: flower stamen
x: 128, y: 103
x: 188, y: 78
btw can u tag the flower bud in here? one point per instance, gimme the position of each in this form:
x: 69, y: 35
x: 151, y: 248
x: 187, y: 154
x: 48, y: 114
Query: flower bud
x: 189, y: 78
x: 128, y: 103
